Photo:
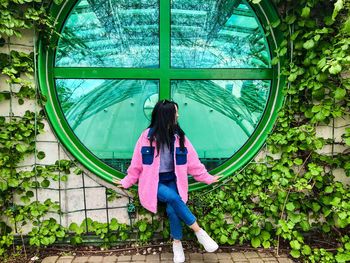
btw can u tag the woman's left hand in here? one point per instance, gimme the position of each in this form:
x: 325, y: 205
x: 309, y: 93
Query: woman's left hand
x: 216, y: 178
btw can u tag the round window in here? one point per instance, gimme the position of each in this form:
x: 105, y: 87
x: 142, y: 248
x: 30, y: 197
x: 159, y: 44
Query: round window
x: 117, y: 58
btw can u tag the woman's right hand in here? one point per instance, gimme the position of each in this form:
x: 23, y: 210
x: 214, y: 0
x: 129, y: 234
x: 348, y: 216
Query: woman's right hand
x: 118, y: 182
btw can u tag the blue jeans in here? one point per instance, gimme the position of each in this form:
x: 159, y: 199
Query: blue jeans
x: 176, y: 208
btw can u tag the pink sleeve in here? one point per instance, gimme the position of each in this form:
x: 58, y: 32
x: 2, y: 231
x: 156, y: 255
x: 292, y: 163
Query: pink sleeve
x: 195, y: 167
x: 135, y: 168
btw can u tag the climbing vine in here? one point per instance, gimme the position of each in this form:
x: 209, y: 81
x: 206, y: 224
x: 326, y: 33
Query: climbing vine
x: 291, y: 200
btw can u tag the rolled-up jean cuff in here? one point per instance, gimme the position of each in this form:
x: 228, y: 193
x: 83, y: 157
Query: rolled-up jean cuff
x: 178, y: 238
x: 192, y: 222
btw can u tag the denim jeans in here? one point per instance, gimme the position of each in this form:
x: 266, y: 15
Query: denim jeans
x: 176, y: 208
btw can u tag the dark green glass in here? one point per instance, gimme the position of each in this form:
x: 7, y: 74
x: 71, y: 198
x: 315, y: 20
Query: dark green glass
x: 111, y: 34
x: 219, y: 116
x: 216, y: 34
x: 107, y: 116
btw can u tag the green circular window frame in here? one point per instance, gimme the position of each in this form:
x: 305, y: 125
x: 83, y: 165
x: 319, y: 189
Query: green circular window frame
x: 266, y: 14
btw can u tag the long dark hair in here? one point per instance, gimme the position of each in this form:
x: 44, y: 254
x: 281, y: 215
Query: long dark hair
x: 164, y: 127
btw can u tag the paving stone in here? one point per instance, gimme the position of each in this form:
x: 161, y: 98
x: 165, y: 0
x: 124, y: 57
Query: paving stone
x: 152, y: 258
x: 226, y: 260
x: 65, y: 259
x: 166, y: 256
x: 251, y: 254
x: 80, y: 259
x: 265, y: 255
x: 51, y: 259
x: 196, y: 256
x: 241, y: 260
x: 110, y: 259
x: 224, y: 256
x: 138, y: 258
x: 255, y: 260
x: 285, y: 260
x: 195, y: 260
x: 95, y: 259
x: 238, y: 255
x: 124, y: 259
x: 270, y: 259
x: 210, y: 257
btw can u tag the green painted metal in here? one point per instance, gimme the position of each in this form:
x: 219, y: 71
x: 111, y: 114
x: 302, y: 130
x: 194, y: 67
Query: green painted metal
x: 265, y: 12
x: 166, y: 73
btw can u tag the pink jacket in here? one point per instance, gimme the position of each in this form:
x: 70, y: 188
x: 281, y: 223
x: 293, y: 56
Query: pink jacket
x: 144, y: 167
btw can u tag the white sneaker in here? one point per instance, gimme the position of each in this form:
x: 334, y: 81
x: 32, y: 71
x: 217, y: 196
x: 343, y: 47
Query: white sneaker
x: 179, y: 255
x: 208, y: 243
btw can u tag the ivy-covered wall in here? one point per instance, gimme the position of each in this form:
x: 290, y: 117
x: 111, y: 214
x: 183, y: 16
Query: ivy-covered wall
x: 296, y: 190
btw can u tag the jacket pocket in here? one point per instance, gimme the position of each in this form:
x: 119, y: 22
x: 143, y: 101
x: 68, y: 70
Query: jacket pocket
x: 181, y: 157
x: 147, y: 155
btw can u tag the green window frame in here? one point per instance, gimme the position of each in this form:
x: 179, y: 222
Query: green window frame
x: 265, y: 13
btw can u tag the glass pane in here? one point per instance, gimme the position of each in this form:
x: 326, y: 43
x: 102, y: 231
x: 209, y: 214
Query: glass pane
x: 216, y: 34
x: 227, y: 110
x: 110, y: 34
x: 107, y: 116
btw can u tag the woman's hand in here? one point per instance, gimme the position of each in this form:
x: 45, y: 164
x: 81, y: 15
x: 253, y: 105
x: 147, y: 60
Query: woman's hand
x: 119, y: 183
x: 216, y: 178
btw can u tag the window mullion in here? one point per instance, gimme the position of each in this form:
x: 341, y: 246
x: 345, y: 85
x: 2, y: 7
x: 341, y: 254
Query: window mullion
x: 164, y: 55
x: 221, y: 74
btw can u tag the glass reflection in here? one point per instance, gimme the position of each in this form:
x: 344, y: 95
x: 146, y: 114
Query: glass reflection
x: 107, y: 116
x: 219, y: 116
x: 216, y: 34
x: 110, y: 34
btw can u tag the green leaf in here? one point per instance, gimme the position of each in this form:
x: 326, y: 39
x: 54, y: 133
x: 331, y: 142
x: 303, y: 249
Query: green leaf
x: 13, y: 182
x: 255, y: 242
x: 41, y: 155
x: 298, y: 161
x: 223, y: 239
x: 275, y: 23
x: 339, y: 93
x: 326, y: 228
x: 315, y: 207
x: 337, y: 7
x: 265, y: 235
x: 266, y: 244
x: 78, y: 171
x: 292, y: 77
x: 21, y: 148
x: 341, y: 257
x: 305, y: 12
x: 328, y: 189
x: 64, y: 178
x: 25, y: 199
x: 306, y: 250
x: 143, y: 227
x: 309, y: 44
x: 290, y: 206
x: 294, y: 244
x: 45, y: 183
x: 335, y: 68
x: 295, y: 253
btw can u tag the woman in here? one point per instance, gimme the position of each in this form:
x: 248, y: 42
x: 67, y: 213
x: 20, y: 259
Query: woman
x: 162, y: 158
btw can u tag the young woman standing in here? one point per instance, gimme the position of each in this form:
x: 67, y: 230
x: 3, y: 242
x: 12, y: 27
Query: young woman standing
x: 162, y: 159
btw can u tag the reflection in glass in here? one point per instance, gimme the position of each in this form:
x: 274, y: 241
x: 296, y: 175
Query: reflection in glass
x: 150, y: 102
x: 216, y: 34
x: 107, y: 116
x: 219, y: 116
x: 110, y: 34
